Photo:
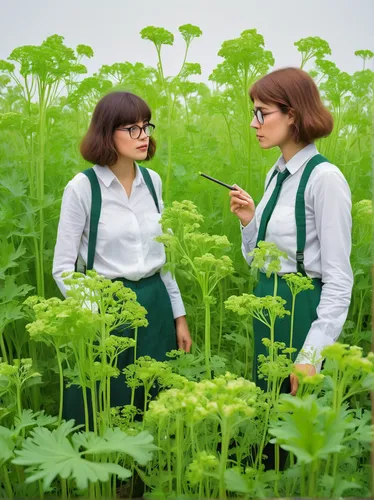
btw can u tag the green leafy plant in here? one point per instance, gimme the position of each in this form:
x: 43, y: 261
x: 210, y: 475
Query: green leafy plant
x: 185, y: 243
x: 83, y: 334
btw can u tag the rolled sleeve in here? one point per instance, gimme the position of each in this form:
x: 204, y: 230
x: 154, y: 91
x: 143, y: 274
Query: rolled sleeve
x: 174, y: 294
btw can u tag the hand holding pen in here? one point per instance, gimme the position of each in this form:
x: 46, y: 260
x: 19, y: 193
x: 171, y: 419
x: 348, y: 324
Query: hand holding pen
x: 241, y: 203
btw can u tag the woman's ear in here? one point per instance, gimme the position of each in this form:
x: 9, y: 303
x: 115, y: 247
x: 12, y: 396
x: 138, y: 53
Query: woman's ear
x: 291, y: 116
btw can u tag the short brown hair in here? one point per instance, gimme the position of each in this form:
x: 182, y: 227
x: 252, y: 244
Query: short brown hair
x: 292, y: 89
x: 114, y: 110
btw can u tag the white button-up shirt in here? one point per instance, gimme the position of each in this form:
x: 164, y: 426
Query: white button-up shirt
x: 125, y: 244
x: 328, y: 240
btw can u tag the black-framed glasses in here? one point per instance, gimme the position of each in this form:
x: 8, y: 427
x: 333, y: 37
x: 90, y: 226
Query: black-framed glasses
x: 260, y: 116
x: 135, y: 131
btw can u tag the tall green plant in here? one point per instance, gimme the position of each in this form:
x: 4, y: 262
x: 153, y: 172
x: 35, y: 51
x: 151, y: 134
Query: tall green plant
x: 42, y: 73
x: 186, y: 244
x: 160, y: 37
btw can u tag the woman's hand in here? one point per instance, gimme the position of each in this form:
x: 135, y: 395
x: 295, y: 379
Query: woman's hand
x: 242, y: 205
x: 184, y: 340
x: 306, y: 369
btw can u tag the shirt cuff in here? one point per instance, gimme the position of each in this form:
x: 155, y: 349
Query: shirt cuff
x: 310, y: 355
x: 174, y: 294
x: 178, y: 310
x: 248, y: 231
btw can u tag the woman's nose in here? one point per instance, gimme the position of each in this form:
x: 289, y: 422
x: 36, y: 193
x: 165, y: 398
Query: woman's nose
x: 143, y: 135
x: 255, y: 123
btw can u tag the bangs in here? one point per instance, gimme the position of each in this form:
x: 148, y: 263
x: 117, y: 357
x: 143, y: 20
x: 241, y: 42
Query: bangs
x: 130, y: 109
x: 118, y: 109
x: 257, y: 92
x: 267, y: 91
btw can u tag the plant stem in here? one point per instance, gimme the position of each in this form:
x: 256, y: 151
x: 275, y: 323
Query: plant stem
x: 3, y: 348
x: 92, y: 491
x: 179, y: 453
x: 220, y: 317
x: 136, y: 343
x: 35, y: 391
x: 292, y: 322
x: 41, y: 491
x: 312, y: 480
x: 169, y: 469
x: 40, y: 190
x: 223, y: 458
x: 80, y: 359
x: 207, y: 339
x: 246, y: 352
x: 93, y: 390
x: 7, y: 483
x: 276, y: 456
x: 262, y: 445
x: 302, y: 481
x: 19, y: 402
x: 104, y: 362
x: 61, y: 378
x: 63, y: 489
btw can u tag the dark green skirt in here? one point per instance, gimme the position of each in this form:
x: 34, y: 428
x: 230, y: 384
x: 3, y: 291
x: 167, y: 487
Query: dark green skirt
x: 305, y: 313
x: 155, y: 340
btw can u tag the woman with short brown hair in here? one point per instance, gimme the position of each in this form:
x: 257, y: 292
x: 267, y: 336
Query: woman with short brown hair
x: 122, y: 202
x: 305, y: 211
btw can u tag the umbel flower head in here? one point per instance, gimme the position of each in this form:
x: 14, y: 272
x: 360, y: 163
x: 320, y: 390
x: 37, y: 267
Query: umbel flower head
x: 349, y: 358
x: 225, y: 397
x: 202, y: 464
x: 297, y: 283
x: 17, y: 373
x: 219, y: 267
x: 207, y: 242
x: 262, y: 308
x: 267, y: 256
x: 181, y: 217
x: 275, y: 366
x: 92, y: 302
x: 58, y: 321
x: 111, y: 298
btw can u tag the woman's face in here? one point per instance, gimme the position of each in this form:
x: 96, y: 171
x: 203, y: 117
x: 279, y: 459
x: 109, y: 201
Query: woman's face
x: 276, y: 129
x: 129, y: 147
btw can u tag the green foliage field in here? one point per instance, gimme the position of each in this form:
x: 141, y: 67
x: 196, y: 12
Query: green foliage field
x: 46, y: 101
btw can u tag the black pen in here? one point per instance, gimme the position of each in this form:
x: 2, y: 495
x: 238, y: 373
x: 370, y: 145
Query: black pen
x: 217, y: 181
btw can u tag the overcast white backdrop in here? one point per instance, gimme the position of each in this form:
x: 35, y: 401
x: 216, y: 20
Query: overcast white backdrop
x: 112, y: 28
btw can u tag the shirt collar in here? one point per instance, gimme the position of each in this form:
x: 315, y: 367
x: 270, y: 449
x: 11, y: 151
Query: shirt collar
x: 107, y: 176
x: 298, y: 160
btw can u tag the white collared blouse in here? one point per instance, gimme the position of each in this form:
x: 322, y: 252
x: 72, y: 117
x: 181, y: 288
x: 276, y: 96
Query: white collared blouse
x: 125, y: 244
x: 328, y: 241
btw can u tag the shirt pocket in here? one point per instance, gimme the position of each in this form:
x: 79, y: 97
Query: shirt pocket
x: 284, y: 222
x: 154, y: 229
x: 152, y: 221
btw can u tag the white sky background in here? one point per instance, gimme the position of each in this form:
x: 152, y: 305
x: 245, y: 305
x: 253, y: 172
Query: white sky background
x: 112, y: 28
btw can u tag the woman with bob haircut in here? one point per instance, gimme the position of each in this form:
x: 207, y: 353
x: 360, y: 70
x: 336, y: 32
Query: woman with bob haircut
x: 126, y: 202
x: 305, y: 211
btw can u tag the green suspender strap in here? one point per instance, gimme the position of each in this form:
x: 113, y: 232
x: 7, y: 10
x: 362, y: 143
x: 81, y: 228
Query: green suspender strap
x: 300, y: 211
x: 94, y: 216
x: 150, y: 186
x: 96, y: 209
